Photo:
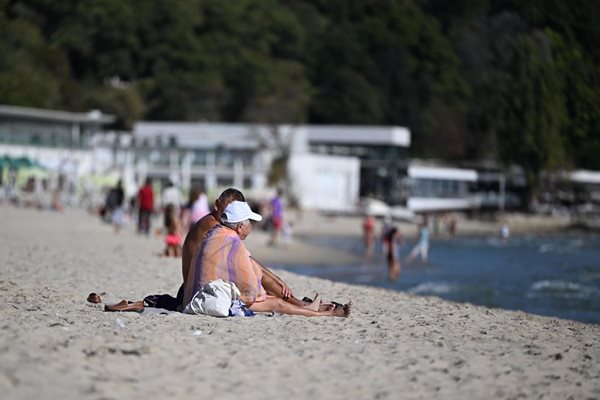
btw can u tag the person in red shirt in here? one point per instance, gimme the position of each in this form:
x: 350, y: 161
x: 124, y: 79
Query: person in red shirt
x: 146, y: 207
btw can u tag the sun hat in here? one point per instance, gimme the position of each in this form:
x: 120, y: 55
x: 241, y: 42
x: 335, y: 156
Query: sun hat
x: 238, y: 211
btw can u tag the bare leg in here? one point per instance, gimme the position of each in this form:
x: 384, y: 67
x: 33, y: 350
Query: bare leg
x: 272, y: 286
x: 394, y: 269
x: 283, y: 307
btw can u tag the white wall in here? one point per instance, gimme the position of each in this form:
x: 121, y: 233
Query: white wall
x: 324, y: 182
x: 428, y: 204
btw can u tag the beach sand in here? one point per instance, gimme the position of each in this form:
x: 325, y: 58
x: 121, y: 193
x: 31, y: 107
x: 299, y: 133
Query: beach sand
x: 55, y: 345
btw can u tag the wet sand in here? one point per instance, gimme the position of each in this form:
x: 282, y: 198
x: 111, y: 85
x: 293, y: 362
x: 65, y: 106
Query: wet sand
x: 55, y: 345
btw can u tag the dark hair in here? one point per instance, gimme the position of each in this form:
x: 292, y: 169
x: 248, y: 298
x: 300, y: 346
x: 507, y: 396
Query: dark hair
x: 232, y: 193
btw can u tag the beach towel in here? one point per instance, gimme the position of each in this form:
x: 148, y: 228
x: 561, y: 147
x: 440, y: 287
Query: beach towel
x: 215, y: 298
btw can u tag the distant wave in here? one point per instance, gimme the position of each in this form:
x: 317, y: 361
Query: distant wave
x: 437, y: 288
x: 571, y: 246
x: 564, y: 289
x: 546, y: 247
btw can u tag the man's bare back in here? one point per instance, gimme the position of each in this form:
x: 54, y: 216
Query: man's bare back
x: 193, y: 240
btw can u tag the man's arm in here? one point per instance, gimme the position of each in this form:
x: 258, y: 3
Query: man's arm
x: 273, y: 284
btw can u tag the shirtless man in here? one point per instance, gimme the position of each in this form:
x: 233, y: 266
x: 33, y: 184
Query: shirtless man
x: 273, y: 285
x: 222, y: 255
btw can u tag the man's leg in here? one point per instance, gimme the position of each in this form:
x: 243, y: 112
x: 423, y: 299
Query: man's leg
x: 274, y: 288
x: 273, y: 304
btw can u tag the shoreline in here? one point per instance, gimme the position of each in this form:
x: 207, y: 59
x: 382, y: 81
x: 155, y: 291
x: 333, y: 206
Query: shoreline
x: 315, y: 223
x: 55, y: 345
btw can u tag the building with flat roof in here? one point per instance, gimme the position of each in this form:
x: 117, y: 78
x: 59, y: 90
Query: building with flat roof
x: 365, y: 160
x: 383, y: 152
x: 48, y: 137
x: 435, y: 188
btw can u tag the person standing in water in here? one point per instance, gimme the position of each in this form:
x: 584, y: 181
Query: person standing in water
x: 422, y: 246
x: 394, y: 240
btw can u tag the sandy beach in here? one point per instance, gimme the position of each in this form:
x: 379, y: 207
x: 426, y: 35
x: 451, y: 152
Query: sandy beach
x: 55, y: 345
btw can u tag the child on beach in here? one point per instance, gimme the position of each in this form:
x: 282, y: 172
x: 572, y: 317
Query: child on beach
x: 173, y: 228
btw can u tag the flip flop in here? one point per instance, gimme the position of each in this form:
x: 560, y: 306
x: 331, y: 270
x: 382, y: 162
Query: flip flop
x: 94, y: 298
x: 336, y: 304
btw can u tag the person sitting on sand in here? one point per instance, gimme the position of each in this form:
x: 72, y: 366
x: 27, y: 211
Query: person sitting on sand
x: 224, y: 256
x: 192, y: 244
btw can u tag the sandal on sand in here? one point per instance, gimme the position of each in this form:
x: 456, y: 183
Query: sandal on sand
x: 124, y: 305
x: 336, y: 304
x: 94, y: 298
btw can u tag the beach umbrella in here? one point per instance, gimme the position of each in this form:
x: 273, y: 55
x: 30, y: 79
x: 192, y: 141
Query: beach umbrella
x: 22, y: 162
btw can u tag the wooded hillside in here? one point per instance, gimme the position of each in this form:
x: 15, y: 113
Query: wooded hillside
x: 517, y: 81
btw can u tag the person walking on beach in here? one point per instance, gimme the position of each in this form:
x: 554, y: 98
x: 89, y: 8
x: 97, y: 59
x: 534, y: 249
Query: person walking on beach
x: 224, y: 256
x: 171, y: 195
x: 146, y: 207
x: 199, y: 206
x: 117, y: 198
x: 277, y: 217
x: 422, y: 246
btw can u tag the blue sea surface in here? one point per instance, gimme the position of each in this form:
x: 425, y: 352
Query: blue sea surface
x: 552, y: 275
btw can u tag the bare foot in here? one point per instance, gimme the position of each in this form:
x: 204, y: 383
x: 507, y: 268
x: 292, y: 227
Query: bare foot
x: 343, y: 311
x: 314, y: 306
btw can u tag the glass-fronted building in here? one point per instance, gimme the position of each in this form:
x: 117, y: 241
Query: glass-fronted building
x: 382, y: 151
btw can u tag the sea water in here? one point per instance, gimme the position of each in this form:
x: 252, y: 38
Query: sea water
x: 552, y: 275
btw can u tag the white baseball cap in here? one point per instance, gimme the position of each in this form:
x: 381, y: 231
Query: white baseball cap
x: 238, y: 211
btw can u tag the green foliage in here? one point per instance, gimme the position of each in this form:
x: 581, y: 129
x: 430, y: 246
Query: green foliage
x: 510, y: 80
x: 533, y: 107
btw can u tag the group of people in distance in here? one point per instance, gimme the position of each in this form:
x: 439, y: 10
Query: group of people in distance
x: 391, y: 240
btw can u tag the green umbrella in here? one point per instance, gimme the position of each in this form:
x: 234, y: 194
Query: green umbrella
x: 23, y: 162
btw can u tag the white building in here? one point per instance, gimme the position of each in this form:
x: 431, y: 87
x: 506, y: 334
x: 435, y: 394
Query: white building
x: 436, y: 188
x: 329, y: 167
x: 59, y: 141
